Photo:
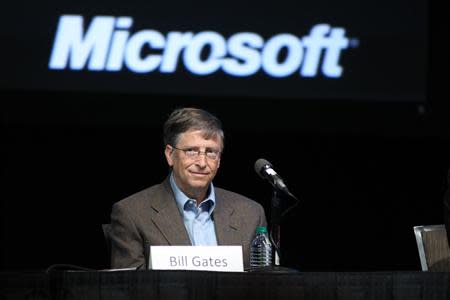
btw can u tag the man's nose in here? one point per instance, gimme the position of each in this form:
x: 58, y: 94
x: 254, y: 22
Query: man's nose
x: 201, y: 159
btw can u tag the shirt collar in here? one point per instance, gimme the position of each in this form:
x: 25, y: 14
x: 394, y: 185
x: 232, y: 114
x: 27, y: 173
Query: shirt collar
x: 182, y: 199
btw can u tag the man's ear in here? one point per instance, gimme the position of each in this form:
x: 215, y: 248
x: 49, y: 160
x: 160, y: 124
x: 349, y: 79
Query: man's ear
x: 168, y: 152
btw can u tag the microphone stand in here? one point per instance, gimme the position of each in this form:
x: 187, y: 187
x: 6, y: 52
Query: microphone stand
x: 275, y: 220
x: 274, y: 235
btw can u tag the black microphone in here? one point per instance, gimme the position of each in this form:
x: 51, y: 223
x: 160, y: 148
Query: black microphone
x: 265, y: 170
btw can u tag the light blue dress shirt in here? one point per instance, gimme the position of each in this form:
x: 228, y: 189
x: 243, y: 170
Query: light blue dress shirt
x: 197, y: 220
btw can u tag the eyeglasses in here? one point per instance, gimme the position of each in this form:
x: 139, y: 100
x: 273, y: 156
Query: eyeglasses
x: 193, y: 153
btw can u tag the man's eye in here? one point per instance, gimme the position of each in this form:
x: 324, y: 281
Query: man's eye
x: 211, y: 153
x: 191, y: 151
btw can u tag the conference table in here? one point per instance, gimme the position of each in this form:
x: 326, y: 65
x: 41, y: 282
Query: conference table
x: 180, y: 285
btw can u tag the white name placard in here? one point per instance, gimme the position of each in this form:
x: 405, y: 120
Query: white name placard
x: 200, y: 258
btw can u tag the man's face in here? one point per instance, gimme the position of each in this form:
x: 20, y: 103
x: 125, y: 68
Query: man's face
x: 193, y: 175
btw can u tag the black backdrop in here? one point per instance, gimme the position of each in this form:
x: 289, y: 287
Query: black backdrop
x: 366, y: 173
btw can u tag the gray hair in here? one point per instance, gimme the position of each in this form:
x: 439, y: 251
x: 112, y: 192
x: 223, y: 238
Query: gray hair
x: 185, y: 119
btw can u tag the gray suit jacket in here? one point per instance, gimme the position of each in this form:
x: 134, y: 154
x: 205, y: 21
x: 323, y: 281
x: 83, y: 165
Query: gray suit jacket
x: 151, y: 217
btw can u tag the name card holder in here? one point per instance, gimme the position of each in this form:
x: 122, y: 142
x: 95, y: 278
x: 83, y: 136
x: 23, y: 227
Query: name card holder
x: 196, y: 258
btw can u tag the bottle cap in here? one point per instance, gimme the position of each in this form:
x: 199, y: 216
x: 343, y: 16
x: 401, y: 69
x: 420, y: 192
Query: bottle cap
x: 261, y: 229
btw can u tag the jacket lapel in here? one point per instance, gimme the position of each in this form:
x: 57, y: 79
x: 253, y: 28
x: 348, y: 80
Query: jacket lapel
x: 226, y: 223
x: 168, y: 219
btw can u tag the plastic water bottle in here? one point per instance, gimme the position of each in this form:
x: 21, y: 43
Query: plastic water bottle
x: 261, y: 249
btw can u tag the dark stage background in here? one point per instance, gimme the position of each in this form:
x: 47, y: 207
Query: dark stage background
x: 366, y: 172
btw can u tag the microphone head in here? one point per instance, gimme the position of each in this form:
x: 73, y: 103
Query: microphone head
x: 260, y: 164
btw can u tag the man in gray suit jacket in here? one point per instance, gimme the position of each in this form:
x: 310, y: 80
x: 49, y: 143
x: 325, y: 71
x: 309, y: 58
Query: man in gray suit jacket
x: 186, y: 208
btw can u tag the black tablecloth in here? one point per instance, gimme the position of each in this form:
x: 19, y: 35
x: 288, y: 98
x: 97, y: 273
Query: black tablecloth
x: 181, y: 285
